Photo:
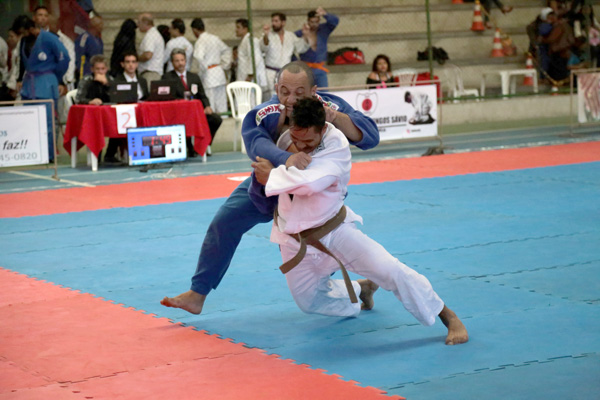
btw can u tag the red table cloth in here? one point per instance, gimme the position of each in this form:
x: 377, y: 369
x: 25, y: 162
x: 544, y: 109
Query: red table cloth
x: 90, y: 124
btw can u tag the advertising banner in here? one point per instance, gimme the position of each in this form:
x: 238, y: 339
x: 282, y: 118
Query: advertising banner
x: 23, y: 135
x: 399, y: 112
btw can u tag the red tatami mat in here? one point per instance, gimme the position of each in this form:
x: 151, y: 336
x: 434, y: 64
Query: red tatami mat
x: 77, y: 346
x: 214, y: 186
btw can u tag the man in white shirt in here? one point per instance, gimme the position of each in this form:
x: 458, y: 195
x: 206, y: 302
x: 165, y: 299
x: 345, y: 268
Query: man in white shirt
x: 178, y: 41
x: 245, y: 72
x: 312, y: 199
x: 279, y: 46
x: 152, y: 49
x: 212, y: 57
x: 69, y: 78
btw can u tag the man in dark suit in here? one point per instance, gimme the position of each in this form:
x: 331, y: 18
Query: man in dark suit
x: 130, y: 75
x: 189, y: 85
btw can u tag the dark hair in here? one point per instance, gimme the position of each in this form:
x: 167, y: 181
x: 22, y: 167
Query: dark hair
x: 407, y: 97
x: 312, y: 14
x: 129, y: 53
x: 381, y: 57
x: 307, y: 113
x: 178, y: 24
x: 279, y: 14
x: 28, y: 24
x: 19, y: 23
x: 295, y: 67
x: 40, y: 8
x: 197, y: 23
x: 164, y: 32
x: 243, y: 22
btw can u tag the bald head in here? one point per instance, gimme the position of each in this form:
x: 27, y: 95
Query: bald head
x: 145, y: 21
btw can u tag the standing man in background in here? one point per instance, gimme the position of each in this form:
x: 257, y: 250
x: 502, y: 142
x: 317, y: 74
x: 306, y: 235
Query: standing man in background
x: 45, y: 60
x: 245, y: 72
x: 87, y: 45
x: 212, y: 58
x: 152, y: 49
x: 178, y: 41
x: 317, y: 35
x: 279, y: 46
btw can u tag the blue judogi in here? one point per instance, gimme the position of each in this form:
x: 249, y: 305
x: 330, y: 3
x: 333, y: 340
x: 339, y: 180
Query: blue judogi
x: 319, y: 56
x: 44, y: 69
x: 86, y: 46
x: 248, y: 206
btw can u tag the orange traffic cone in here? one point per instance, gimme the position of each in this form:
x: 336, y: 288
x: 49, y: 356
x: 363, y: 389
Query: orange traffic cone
x: 528, y: 80
x: 477, y: 25
x: 497, y: 49
x: 457, y: 1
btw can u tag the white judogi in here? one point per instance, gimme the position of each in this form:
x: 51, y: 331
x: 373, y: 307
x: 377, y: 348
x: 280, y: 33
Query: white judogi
x: 152, y: 42
x: 422, y: 105
x: 319, y: 192
x: 212, y: 58
x: 244, y: 67
x: 69, y: 77
x: 3, y: 60
x: 278, y: 53
x: 179, y: 42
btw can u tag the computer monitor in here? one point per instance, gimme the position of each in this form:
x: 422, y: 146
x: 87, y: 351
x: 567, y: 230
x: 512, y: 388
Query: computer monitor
x: 162, y: 90
x: 156, y: 144
x: 123, y: 92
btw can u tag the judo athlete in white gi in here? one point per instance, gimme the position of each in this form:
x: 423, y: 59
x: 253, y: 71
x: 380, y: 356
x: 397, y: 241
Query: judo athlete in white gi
x: 310, y: 198
x: 245, y: 71
x: 279, y: 46
x: 212, y: 57
x: 422, y: 106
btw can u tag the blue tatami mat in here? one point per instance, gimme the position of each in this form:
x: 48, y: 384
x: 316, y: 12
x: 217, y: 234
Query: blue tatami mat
x: 516, y: 254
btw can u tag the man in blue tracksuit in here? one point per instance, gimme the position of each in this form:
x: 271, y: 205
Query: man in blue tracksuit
x: 247, y: 205
x: 45, y: 60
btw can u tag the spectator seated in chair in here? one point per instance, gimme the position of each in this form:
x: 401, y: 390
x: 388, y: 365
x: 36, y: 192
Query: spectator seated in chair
x: 190, y: 86
x: 381, y: 72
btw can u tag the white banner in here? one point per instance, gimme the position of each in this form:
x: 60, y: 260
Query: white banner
x: 23, y: 135
x: 399, y: 112
x: 125, y: 117
x: 588, y: 97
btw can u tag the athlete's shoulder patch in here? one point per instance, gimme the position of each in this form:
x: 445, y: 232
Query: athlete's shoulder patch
x: 328, y: 103
x: 263, y: 112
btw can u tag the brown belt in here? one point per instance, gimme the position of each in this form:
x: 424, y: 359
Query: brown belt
x: 311, y: 237
x: 213, y: 66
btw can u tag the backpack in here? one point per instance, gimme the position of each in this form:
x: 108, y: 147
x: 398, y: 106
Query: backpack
x: 346, y: 55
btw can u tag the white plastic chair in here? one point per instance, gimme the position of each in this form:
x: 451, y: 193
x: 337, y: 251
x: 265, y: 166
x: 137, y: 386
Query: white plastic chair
x: 405, y: 76
x: 243, y: 97
x: 454, y: 77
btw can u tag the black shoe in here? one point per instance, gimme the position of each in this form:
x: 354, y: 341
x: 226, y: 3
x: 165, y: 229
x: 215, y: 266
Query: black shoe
x: 111, y: 160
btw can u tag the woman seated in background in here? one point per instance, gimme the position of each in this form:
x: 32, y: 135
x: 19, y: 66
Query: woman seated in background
x: 381, y: 74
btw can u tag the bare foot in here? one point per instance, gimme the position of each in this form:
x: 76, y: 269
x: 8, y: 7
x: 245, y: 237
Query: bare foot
x: 367, y: 290
x: 189, y: 301
x: 457, y: 333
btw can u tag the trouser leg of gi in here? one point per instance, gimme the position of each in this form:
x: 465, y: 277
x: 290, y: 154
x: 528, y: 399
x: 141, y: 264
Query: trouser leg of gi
x: 320, y: 78
x: 234, y: 218
x: 362, y: 255
x: 49, y: 117
x: 218, y: 98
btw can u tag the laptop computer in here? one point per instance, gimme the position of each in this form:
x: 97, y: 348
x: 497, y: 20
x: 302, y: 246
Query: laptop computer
x: 162, y: 90
x: 123, y: 92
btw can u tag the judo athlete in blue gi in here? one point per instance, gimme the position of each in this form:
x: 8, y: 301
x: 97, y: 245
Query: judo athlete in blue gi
x: 45, y: 66
x: 318, y: 35
x: 248, y: 206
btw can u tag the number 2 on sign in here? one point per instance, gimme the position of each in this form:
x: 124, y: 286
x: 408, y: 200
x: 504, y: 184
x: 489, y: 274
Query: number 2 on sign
x: 125, y: 118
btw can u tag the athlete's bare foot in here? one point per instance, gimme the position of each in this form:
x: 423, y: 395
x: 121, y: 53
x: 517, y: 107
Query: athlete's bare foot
x: 457, y: 333
x: 367, y: 290
x: 189, y: 301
